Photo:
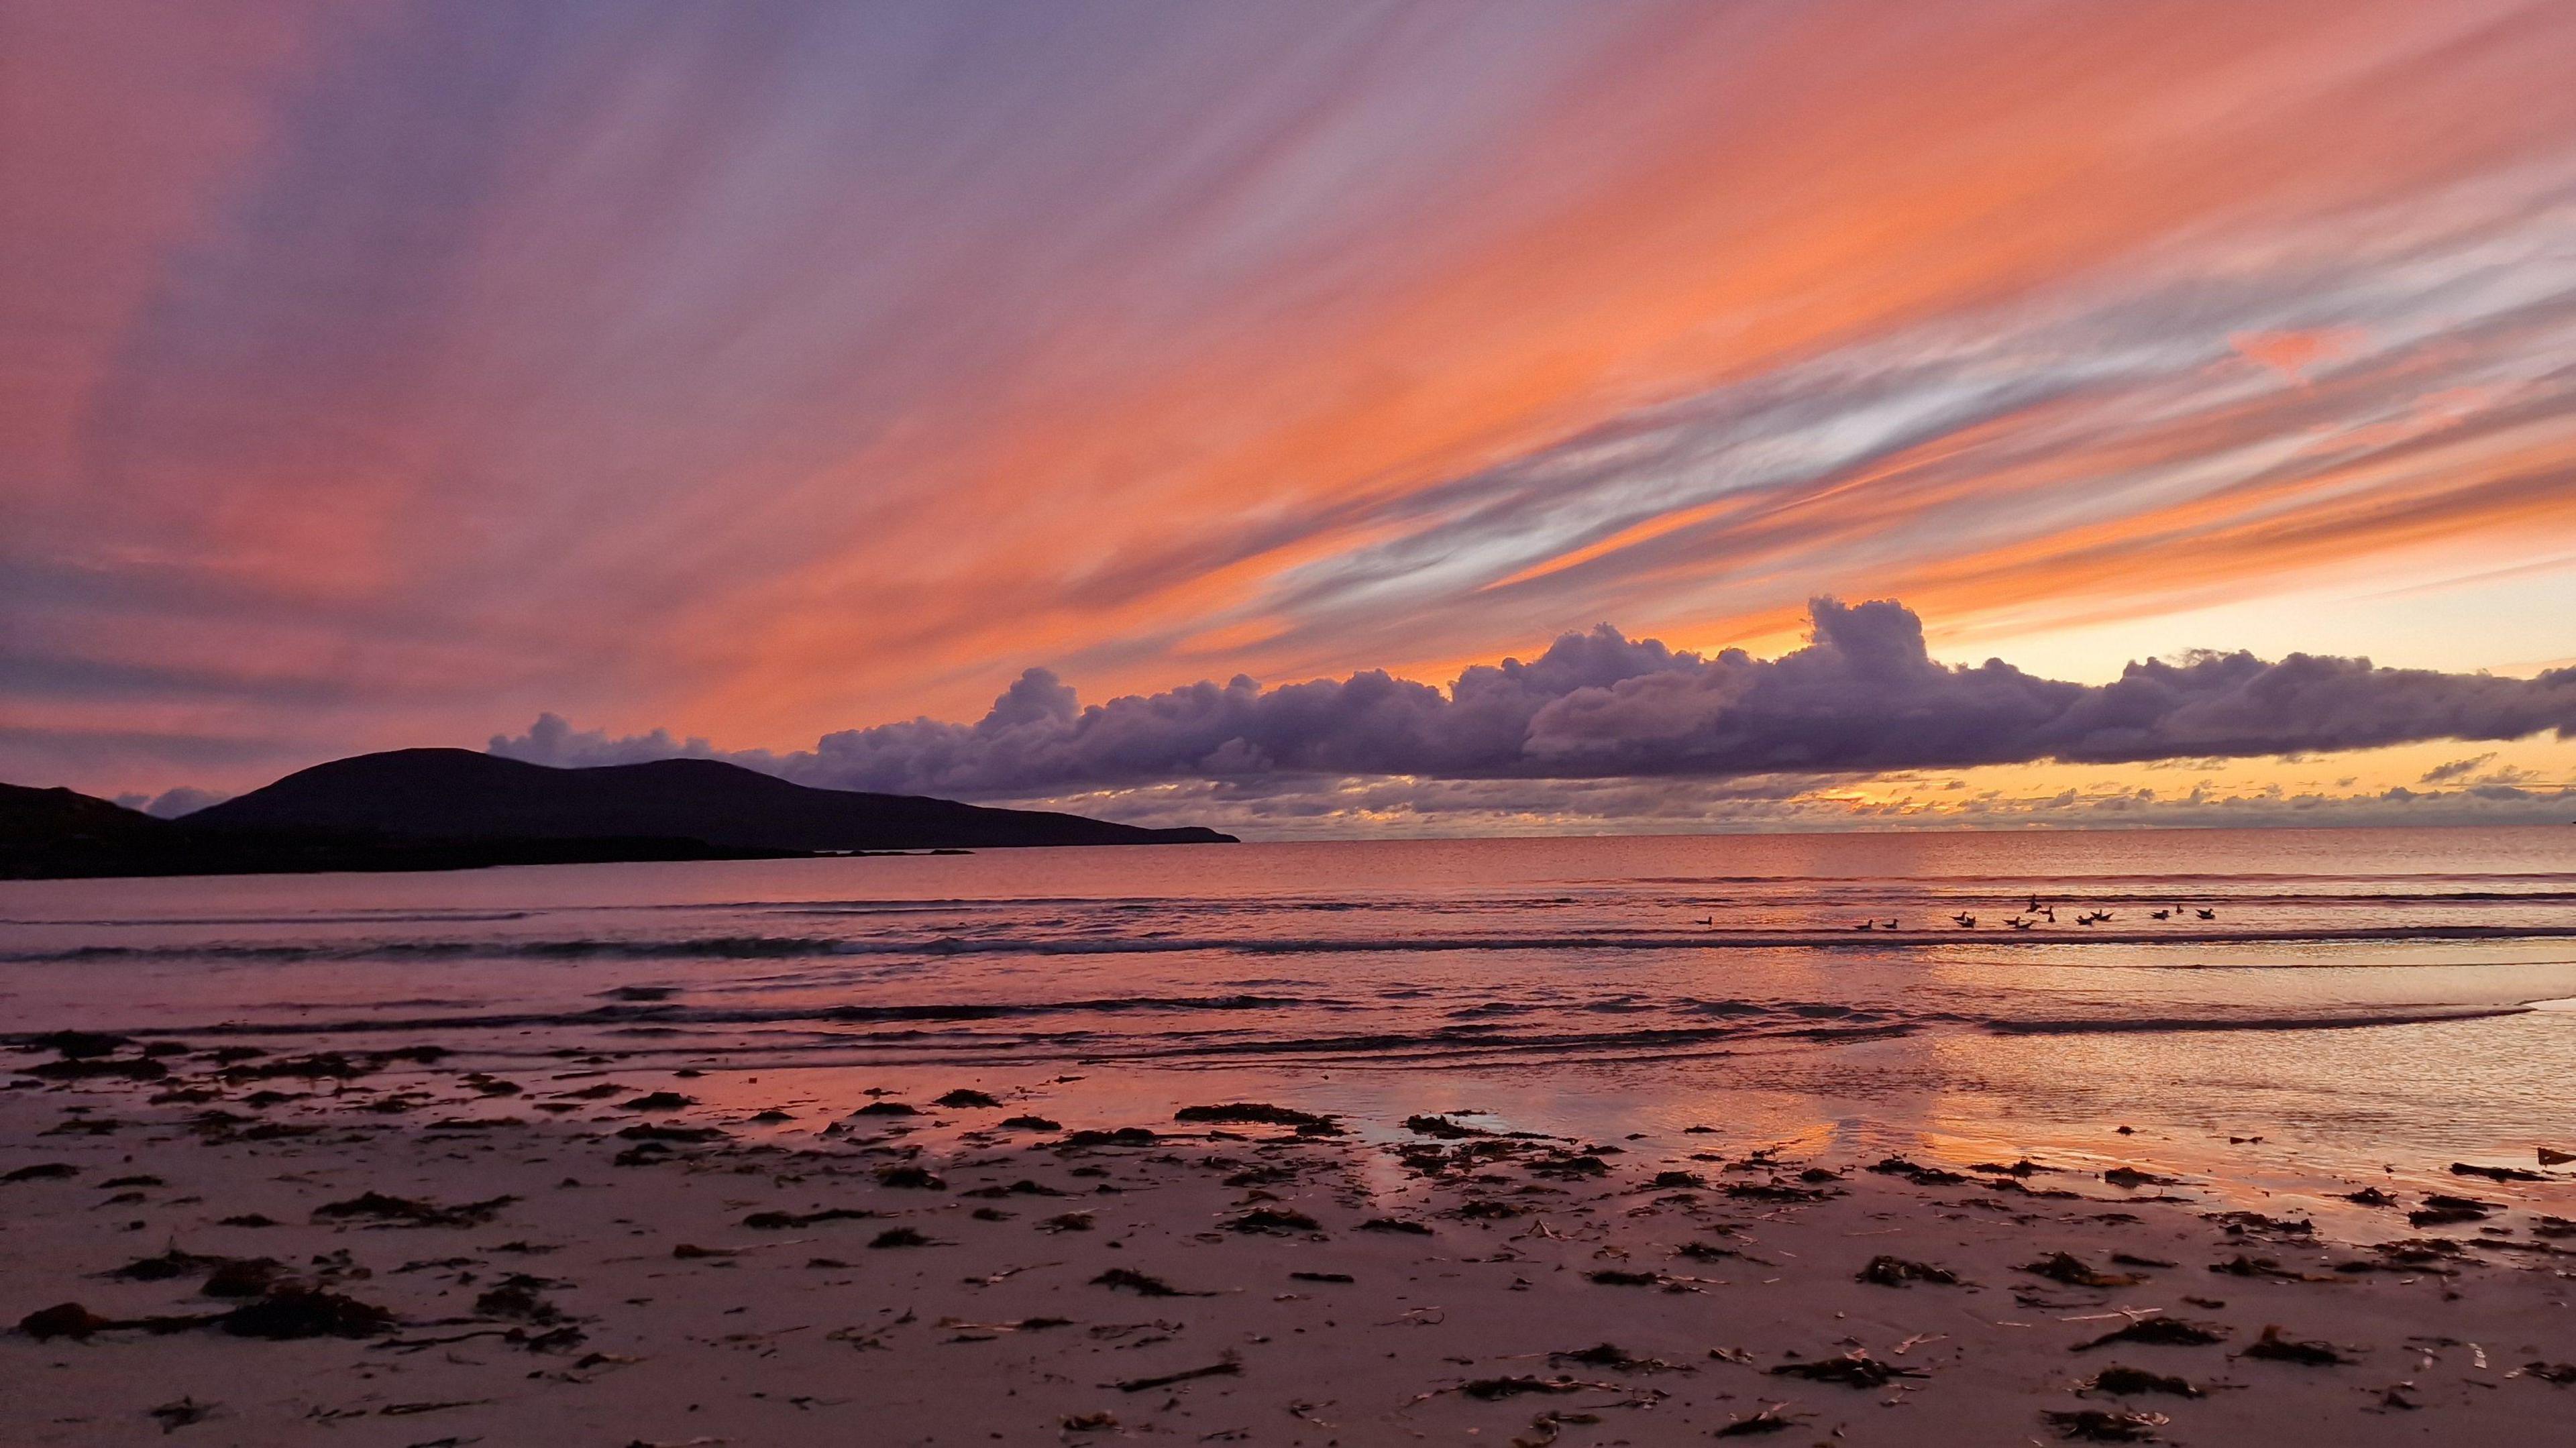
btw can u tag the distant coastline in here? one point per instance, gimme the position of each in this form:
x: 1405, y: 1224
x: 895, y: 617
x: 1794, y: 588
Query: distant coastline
x: 452, y: 809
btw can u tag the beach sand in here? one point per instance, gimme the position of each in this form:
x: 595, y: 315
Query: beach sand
x: 567, y: 1256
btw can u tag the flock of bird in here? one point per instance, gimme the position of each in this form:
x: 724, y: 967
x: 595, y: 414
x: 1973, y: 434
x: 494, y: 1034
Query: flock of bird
x: 2039, y: 912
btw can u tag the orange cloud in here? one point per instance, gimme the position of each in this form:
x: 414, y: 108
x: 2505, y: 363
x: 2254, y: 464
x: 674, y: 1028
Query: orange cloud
x: 2291, y: 354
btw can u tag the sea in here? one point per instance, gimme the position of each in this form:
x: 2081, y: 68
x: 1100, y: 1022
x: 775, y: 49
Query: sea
x: 2291, y: 1007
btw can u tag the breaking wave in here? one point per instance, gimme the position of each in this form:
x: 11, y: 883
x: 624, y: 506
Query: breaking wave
x: 789, y: 947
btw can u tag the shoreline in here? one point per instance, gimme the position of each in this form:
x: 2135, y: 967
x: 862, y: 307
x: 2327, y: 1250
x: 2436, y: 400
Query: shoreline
x: 575, y: 1248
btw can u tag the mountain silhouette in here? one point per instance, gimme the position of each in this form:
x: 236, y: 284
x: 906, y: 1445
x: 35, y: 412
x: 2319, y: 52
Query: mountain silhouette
x: 457, y: 794
x: 36, y: 817
x: 415, y: 809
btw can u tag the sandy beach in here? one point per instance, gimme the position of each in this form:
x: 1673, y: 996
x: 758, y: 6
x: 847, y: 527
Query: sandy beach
x: 272, y: 1249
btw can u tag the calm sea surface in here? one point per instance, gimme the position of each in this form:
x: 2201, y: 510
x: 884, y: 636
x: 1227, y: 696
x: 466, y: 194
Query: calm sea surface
x: 2357, y: 996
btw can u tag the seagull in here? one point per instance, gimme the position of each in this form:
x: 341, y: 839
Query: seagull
x: 1711, y: 920
x: 1866, y: 925
x: 2162, y: 914
x: 2206, y: 914
x: 1966, y: 921
x: 2018, y: 923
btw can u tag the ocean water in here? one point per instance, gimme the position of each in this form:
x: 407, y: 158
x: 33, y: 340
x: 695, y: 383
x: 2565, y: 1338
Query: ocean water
x: 2360, y: 999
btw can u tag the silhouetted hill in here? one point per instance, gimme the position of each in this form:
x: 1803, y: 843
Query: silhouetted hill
x: 446, y: 809
x: 58, y: 816
x: 457, y: 794
x: 57, y: 834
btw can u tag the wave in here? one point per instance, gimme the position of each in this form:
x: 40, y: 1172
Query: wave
x: 2071, y: 883
x: 2408, y: 1016
x: 1866, y: 895
x: 1448, y: 1044
x: 721, y: 947
x: 357, y: 917
x: 1247, y: 1028
x: 753, y: 947
x: 1834, y: 893
x: 681, y: 1014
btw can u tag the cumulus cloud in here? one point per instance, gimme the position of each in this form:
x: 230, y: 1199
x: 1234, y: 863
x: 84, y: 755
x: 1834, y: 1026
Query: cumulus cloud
x: 169, y: 804
x: 1327, y: 808
x: 553, y: 740
x: 1863, y: 696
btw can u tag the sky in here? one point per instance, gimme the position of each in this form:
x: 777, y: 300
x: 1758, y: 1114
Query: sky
x: 787, y: 382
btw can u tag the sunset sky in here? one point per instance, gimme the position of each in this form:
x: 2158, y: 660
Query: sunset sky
x: 381, y: 374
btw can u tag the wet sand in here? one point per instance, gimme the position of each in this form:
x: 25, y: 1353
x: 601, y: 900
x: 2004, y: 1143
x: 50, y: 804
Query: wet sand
x: 421, y: 1254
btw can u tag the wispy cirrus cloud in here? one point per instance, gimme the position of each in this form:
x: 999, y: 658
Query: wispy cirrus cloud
x: 2128, y: 434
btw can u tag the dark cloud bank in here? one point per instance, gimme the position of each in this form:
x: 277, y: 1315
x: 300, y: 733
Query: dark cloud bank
x: 1862, y: 697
